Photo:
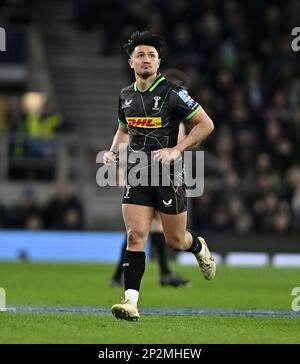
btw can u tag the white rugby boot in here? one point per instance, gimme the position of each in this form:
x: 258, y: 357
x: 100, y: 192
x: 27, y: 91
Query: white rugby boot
x: 125, y: 311
x: 206, y: 261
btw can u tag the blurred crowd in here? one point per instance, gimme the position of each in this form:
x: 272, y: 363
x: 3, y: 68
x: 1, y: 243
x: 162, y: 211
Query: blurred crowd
x: 244, y: 73
x: 31, y: 122
x: 63, y: 211
x: 246, y: 76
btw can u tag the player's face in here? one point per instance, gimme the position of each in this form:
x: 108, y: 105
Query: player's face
x: 144, y: 60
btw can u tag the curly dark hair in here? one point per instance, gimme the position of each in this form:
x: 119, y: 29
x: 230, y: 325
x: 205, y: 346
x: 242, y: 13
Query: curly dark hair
x: 143, y: 38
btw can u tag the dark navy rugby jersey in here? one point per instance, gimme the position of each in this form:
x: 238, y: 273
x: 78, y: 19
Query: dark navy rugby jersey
x: 153, y: 116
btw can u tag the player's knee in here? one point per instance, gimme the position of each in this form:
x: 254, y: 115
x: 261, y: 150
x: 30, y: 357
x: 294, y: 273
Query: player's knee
x: 135, y: 238
x: 175, y: 242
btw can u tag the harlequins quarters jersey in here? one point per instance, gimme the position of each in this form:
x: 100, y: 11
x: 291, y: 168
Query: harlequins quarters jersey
x: 153, y: 116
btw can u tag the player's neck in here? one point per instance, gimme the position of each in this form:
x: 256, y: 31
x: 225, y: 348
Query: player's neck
x: 143, y: 84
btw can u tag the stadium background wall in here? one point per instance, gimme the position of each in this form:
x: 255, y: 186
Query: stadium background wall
x: 105, y: 246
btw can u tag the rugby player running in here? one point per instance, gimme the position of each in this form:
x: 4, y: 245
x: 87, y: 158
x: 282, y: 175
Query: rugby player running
x: 150, y: 111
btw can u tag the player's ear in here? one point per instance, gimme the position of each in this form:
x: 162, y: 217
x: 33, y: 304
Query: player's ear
x: 159, y: 60
x: 130, y: 62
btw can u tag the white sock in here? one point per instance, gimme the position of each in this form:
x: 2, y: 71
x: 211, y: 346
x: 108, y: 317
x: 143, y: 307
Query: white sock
x: 132, y: 296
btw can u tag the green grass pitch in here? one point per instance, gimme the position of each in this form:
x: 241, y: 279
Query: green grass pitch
x: 62, y: 284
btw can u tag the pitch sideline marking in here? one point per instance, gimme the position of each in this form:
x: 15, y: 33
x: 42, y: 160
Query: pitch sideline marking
x: 157, y: 311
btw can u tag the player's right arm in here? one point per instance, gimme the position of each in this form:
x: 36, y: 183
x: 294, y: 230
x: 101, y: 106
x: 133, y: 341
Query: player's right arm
x: 121, y: 136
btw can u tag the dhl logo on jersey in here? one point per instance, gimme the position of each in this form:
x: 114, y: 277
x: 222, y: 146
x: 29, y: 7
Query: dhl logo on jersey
x: 145, y: 122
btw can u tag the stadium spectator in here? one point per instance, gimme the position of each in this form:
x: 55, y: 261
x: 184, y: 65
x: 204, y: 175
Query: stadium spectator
x: 33, y: 124
x: 4, y: 219
x: 64, y: 210
x: 27, y: 213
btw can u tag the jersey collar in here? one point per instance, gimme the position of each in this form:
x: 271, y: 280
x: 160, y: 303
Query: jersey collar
x: 158, y: 79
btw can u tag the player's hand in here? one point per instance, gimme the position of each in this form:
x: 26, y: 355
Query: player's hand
x: 166, y: 155
x: 109, y: 158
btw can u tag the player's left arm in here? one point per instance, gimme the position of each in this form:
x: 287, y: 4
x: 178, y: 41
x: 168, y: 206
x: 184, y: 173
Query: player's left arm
x: 181, y: 132
x: 203, y: 126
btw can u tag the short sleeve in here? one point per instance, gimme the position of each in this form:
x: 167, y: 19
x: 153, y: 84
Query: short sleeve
x: 121, y: 116
x: 182, y: 103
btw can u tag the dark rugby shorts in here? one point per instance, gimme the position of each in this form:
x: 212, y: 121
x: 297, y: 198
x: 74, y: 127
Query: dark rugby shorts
x: 167, y: 199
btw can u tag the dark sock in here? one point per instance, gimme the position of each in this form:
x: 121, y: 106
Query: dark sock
x: 119, y: 269
x: 158, y: 241
x: 196, y: 244
x: 134, y: 268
